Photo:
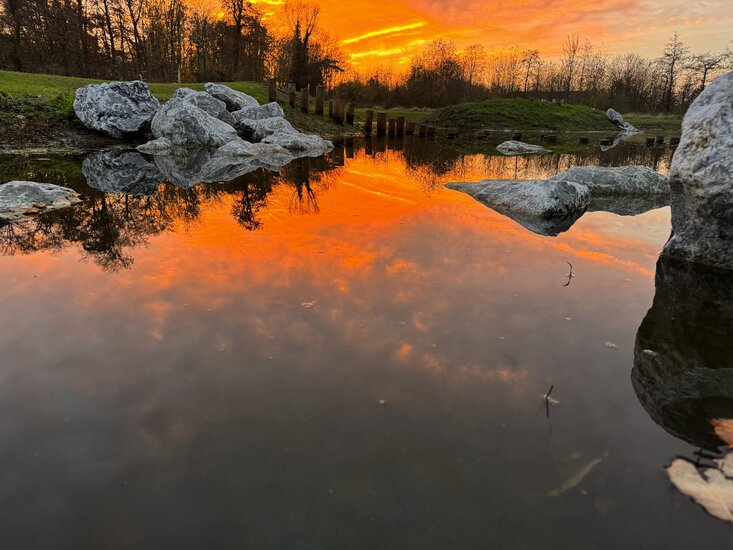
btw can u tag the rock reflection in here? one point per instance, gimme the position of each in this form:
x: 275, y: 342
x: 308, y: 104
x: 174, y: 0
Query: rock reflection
x: 683, y: 367
x: 127, y: 203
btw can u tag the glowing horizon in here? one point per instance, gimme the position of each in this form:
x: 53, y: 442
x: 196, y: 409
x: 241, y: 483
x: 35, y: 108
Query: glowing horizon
x: 388, y: 36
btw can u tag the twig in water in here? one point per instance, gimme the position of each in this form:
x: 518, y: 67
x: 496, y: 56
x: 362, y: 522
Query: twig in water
x: 547, y: 401
x: 570, y: 275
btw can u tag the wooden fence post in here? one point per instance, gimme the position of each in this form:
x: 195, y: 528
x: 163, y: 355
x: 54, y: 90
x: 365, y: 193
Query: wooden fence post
x: 381, y: 124
x: 392, y: 127
x: 422, y: 130
x: 350, y: 113
x: 368, y: 118
x: 338, y: 115
x: 304, y: 99
x: 291, y: 94
x: 400, y: 126
x: 320, y: 94
x: 271, y: 90
x: 330, y: 109
x: 409, y: 128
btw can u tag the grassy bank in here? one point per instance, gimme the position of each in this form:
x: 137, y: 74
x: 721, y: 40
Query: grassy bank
x: 535, y: 115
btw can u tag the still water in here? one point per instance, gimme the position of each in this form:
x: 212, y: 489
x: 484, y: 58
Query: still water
x: 339, y: 354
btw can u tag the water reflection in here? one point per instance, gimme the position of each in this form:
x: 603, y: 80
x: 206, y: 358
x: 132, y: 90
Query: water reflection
x: 683, y: 367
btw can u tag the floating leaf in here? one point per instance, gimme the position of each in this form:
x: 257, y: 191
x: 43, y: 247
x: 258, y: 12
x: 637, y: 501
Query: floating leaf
x: 611, y: 345
x: 308, y: 305
x: 712, y: 489
x: 576, y: 478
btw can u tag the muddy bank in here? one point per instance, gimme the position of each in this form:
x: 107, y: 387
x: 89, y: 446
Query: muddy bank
x: 38, y: 131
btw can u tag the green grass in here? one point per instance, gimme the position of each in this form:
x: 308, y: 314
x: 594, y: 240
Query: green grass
x: 530, y: 114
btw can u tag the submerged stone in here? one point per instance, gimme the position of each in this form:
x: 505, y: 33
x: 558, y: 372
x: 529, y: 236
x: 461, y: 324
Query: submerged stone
x: 21, y: 199
x: 513, y: 147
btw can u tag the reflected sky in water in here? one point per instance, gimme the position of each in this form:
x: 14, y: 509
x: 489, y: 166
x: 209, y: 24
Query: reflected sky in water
x: 339, y: 355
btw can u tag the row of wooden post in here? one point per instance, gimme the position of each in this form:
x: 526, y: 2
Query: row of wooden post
x: 343, y: 112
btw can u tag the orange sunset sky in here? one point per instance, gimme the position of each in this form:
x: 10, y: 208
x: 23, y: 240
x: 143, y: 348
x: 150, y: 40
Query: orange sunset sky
x: 388, y: 33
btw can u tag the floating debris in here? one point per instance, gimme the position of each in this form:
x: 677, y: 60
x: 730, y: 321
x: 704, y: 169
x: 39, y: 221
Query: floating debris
x: 579, y: 476
x: 713, y: 489
x: 308, y: 305
x: 611, y: 345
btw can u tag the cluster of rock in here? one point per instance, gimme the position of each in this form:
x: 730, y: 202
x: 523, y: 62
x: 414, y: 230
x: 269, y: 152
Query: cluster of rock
x: 211, y: 119
x: 550, y: 206
x: 22, y: 199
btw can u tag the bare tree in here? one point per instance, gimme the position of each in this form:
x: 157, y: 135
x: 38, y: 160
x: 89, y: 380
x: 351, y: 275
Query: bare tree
x: 671, y: 62
x: 707, y: 63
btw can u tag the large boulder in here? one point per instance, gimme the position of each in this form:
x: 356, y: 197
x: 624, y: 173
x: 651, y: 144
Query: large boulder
x: 21, y: 199
x: 234, y: 100
x: 184, y: 124
x: 158, y: 146
x: 243, y: 148
x: 118, y: 109
x: 263, y: 127
x: 124, y: 172
x: 514, y: 147
x: 269, y: 110
x: 616, y: 117
x: 546, y: 207
x: 207, y: 103
x: 620, y: 180
x: 701, y: 180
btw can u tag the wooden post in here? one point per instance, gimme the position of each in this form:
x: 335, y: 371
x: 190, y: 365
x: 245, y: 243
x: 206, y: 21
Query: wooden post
x: 392, y: 127
x: 304, y: 99
x: 401, y: 126
x: 330, y: 109
x: 291, y: 94
x: 350, y: 113
x: 409, y: 128
x: 271, y: 90
x: 320, y: 94
x: 369, y: 117
x: 381, y: 124
x: 431, y: 131
x: 422, y: 130
x: 338, y: 115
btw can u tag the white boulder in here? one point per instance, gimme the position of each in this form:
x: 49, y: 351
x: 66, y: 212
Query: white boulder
x: 207, y: 103
x: 617, y: 180
x: 117, y: 109
x: 514, y: 147
x: 616, y: 117
x: 234, y: 100
x: 184, y: 124
x: 20, y: 199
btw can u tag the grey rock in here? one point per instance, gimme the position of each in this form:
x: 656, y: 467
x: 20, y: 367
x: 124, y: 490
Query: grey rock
x: 618, y: 120
x: 621, y: 180
x: 546, y: 207
x: 264, y: 127
x: 683, y: 366
x: 21, y: 199
x: 118, y: 109
x: 184, y: 124
x: 513, y: 147
x: 124, y: 172
x: 155, y: 146
x: 234, y: 100
x: 269, y: 110
x: 701, y: 180
x: 310, y: 144
x: 207, y: 103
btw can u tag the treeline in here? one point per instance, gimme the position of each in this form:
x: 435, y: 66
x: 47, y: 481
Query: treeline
x: 166, y: 40
x: 442, y: 75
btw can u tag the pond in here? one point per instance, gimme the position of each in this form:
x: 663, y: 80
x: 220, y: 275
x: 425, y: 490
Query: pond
x: 339, y: 354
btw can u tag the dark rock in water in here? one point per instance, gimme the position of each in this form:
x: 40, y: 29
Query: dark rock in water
x: 701, y: 179
x: 207, y: 103
x: 184, y: 124
x: 542, y: 206
x: 125, y: 172
x: 616, y: 117
x: 683, y: 365
x: 118, y: 109
x: 628, y: 205
x: 620, y: 180
x: 21, y: 199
